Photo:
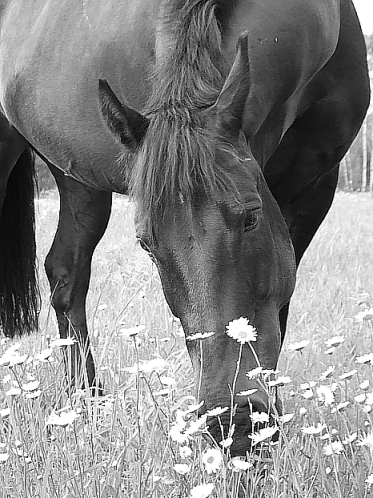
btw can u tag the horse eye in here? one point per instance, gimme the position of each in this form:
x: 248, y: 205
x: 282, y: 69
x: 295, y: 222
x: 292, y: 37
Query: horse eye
x: 251, y: 220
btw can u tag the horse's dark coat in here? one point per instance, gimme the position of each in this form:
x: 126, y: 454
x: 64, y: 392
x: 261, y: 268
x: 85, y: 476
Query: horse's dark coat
x: 230, y: 145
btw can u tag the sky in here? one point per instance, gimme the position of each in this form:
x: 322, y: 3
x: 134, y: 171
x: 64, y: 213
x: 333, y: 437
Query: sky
x: 364, y: 10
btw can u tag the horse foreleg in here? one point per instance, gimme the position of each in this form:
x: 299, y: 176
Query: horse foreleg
x: 83, y: 218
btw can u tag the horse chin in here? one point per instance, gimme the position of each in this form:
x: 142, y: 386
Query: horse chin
x: 241, y: 445
x: 221, y: 427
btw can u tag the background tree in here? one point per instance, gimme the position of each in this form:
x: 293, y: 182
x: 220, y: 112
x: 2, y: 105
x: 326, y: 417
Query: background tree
x: 357, y: 166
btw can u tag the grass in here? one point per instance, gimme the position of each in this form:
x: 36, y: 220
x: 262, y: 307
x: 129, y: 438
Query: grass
x: 121, y: 446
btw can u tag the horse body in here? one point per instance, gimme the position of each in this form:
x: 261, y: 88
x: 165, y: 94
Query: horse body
x: 54, y: 53
x: 230, y: 146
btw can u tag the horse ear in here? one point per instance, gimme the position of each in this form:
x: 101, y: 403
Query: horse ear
x: 127, y: 125
x: 230, y: 105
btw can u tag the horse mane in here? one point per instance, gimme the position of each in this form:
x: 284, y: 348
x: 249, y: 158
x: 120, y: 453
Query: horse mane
x: 177, y: 157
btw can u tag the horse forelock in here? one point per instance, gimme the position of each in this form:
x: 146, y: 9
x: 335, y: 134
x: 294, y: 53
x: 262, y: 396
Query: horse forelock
x: 177, y: 157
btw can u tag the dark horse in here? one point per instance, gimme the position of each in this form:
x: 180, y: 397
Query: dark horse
x: 229, y: 117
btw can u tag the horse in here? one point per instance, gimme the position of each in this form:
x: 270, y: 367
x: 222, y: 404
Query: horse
x: 224, y: 120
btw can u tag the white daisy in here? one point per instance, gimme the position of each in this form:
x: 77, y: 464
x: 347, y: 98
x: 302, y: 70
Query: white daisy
x: 325, y: 395
x: 196, y: 425
x: 360, y: 398
x: 364, y: 385
x: 350, y: 438
x: 263, y: 434
x: 364, y: 315
x: 181, y: 468
x: 31, y: 386
x: 185, y: 451
x: 348, y: 375
x: 335, y: 341
x: 66, y: 341
x: 330, y: 351
x: 248, y: 393
x: 194, y: 408
x: 327, y: 373
x: 215, y: 412
x: 340, y: 407
x: 298, y: 346
x: 226, y: 443
x: 33, y: 394
x: 367, y: 441
x: 4, y: 413
x: 13, y: 391
x: 313, y: 430
x: 369, y: 400
x: 369, y: 480
x: 286, y: 417
x: 63, y: 419
x: 365, y: 359
x: 333, y: 448
x: 259, y: 417
x: 280, y: 381
x: 12, y: 358
x: 44, y: 355
x: 212, y: 460
x: 240, y: 464
x: 177, y: 430
x: 255, y: 373
x: 201, y: 491
x: 308, y: 394
x: 241, y: 331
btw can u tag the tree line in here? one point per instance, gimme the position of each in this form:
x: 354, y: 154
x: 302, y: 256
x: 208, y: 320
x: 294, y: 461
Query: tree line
x: 356, y: 172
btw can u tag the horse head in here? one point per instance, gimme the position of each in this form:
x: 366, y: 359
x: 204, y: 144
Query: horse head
x: 207, y: 219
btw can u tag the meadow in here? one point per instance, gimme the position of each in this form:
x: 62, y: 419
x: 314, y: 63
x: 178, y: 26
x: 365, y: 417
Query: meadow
x: 142, y: 438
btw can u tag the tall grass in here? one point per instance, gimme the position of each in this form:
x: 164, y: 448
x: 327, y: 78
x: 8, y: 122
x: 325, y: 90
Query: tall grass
x: 123, y: 445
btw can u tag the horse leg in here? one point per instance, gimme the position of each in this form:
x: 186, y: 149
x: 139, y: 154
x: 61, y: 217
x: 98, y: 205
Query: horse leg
x: 303, y: 172
x: 306, y: 213
x: 304, y: 218
x: 83, y: 218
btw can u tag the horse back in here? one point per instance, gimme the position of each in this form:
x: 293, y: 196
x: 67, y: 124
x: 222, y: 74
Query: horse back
x: 53, y: 53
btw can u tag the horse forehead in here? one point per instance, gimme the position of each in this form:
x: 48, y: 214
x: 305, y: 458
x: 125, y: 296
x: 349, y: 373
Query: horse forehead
x: 195, y: 226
